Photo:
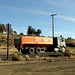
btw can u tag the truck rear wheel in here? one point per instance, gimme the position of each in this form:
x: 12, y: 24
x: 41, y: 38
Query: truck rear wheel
x: 31, y: 50
x: 38, y: 50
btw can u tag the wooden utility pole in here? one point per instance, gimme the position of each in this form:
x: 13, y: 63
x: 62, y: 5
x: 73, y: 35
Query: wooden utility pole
x: 7, y: 41
x: 53, y: 24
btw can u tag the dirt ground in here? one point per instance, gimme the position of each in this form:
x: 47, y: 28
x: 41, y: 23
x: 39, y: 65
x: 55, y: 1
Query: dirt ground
x: 38, y: 68
x: 60, y: 67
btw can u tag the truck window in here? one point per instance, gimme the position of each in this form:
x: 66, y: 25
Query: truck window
x: 62, y: 39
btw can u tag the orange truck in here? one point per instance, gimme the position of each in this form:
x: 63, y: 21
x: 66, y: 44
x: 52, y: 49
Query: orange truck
x: 33, y: 44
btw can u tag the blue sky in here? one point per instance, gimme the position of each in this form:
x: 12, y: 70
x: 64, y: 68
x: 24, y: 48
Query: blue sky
x: 36, y: 13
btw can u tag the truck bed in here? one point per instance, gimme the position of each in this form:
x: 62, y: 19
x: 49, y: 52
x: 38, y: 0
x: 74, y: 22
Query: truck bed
x: 36, y: 40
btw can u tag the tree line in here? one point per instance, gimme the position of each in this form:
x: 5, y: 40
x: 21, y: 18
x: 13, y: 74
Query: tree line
x: 3, y: 29
x: 30, y: 31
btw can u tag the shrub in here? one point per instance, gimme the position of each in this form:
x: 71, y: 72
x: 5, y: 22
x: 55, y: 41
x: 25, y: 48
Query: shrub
x: 37, y: 57
x: 27, y: 57
x: 20, y: 57
x: 15, y: 57
x: 67, y: 54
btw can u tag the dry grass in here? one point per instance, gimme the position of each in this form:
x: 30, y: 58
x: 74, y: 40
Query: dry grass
x: 27, y: 57
x: 20, y: 58
x: 67, y: 53
x: 17, y: 58
x: 37, y: 57
x: 72, y: 56
x: 3, y: 50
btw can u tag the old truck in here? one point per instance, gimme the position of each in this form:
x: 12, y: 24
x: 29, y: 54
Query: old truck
x: 34, y: 44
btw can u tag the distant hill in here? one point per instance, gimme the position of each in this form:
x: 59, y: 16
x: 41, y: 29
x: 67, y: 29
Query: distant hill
x: 70, y: 42
x: 3, y: 39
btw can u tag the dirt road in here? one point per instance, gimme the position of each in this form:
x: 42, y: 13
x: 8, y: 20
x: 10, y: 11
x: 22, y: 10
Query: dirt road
x: 43, y: 68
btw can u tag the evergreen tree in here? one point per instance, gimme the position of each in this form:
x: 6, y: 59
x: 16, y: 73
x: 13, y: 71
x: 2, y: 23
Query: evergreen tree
x: 32, y: 31
x: 21, y: 34
x: 38, y: 32
x: 2, y: 28
x: 14, y: 32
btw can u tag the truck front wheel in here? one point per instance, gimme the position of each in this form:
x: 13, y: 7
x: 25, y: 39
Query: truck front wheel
x: 56, y: 50
x: 63, y: 49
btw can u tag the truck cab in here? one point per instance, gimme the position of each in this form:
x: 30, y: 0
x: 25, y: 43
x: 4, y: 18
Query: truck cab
x: 59, y: 44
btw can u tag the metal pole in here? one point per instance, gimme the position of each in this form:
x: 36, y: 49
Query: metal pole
x: 7, y: 41
x: 53, y: 24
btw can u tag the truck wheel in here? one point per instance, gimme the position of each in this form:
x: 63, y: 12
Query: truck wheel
x: 38, y: 50
x: 63, y: 49
x: 56, y: 50
x: 31, y: 50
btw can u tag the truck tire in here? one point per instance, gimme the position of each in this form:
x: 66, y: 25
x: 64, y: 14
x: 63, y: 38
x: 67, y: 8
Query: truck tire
x: 38, y: 50
x: 31, y: 50
x: 63, y: 49
x: 56, y: 50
